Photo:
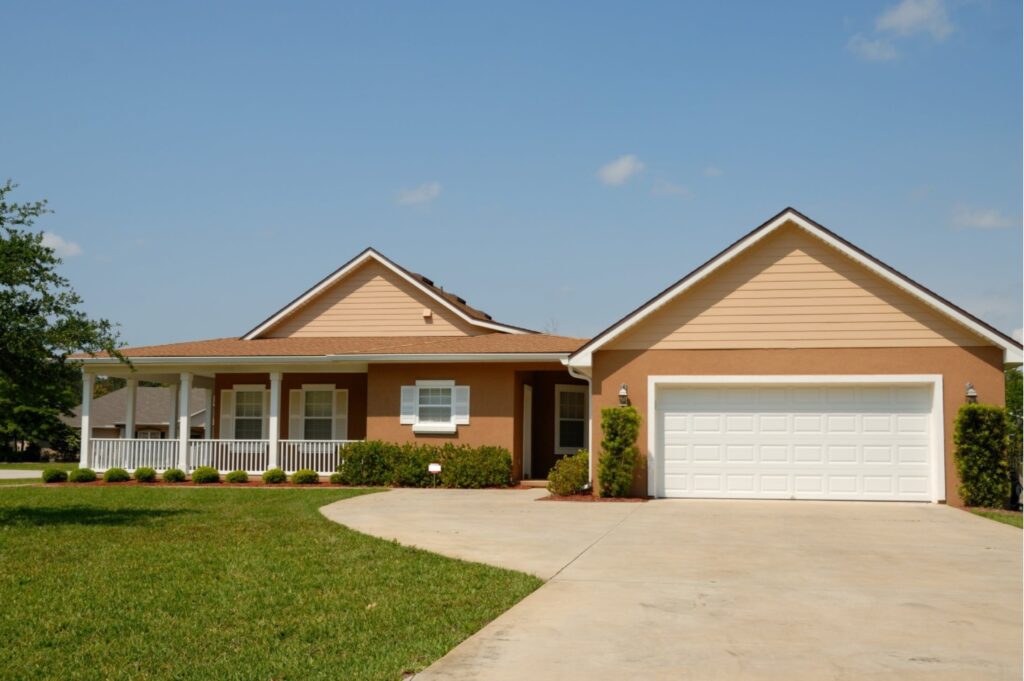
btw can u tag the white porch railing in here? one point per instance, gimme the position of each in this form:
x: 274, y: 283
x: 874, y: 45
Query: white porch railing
x: 322, y: 456
x: 251, y: 456
x: 134, y: 453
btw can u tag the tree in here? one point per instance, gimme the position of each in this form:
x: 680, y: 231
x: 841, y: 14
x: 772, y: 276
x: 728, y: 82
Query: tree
x: 1015, y: 418
x: 41, y: 327
x: 619, y: 455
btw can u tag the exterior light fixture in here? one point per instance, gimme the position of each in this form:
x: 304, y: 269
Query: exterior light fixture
x: 624, y: 396
x: 972, y: 394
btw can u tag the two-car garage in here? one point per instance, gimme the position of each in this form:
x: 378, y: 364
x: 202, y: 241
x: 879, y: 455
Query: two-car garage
x: 798, y: 438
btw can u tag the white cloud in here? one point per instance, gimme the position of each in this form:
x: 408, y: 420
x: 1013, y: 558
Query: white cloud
x: 713, y: 171
x: 666, y: 188
x: 425, y: 193
x: 1018, y: 335
x: 621, y: 169
x: 60, y: 246
x: 916, y: 16
x: 979, y: 218
x: 878, y: 49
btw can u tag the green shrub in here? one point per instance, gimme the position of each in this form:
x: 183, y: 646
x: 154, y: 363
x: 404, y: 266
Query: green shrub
x: 82, y: 475
x: 467, y: 467
x: 409, y: 465
x: 305, y: 477
x: 236, y: 477
x: 619, y: 454
x: 205, y: 475
x: 54, y: 475
x: 336, y: 479
x: 274, y: 476
x: 174, y: 475
x: 368, y: 462
x: 982, y: 455
x: 571, y: 475
x: 116, y: 475
x: 145, y: 474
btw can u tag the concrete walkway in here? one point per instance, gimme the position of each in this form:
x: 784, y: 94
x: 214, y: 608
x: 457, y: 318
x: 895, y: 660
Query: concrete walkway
x: 15, y: 474
x: 723, y: 589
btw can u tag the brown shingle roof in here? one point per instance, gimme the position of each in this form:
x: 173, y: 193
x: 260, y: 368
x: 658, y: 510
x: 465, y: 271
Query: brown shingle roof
x: 370, y: 345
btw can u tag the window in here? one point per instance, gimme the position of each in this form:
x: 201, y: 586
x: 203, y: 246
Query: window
x: 149, y: 435
x: 318, y: 416
x: 435, y: 406
x: 570, y: 418
x: 248, y: 414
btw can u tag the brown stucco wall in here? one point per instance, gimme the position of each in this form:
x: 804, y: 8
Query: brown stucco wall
x: 982, y: 366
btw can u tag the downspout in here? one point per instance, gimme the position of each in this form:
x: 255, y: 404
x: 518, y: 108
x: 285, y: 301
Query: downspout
x: 590, y: 418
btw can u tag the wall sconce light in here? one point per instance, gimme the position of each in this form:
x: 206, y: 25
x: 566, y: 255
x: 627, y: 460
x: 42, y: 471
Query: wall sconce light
x: 972, y: 394
x: 624, y: 396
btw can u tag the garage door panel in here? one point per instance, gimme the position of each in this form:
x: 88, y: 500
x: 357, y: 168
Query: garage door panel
x: 813, y: 442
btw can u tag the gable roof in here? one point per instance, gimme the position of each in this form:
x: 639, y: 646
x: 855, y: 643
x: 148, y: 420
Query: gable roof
x: 1012, y: 351
x: 449, y: 300
x: 152, y: 408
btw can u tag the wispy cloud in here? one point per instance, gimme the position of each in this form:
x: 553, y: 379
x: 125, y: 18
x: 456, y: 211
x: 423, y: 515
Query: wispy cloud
x: 666, y: 188
x: 425, y: 193
x: 876, y: 49
x: 617, y: 172
x: 713, y: 171
x: 965, y: 217
x: 61, y: 246
x: 916, y: 16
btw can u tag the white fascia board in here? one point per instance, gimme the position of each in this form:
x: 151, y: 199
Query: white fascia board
x: 371, y: 254
x: 311, y: 359
x: 1011, y: 353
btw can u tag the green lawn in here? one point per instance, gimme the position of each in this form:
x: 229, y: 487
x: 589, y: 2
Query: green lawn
x: 36, y: 466
x: 1008, y: 517
x: 22, y: 481
x: 163, y: 583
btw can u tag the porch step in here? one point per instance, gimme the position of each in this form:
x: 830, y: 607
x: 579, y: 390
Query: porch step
x: 533, y: 483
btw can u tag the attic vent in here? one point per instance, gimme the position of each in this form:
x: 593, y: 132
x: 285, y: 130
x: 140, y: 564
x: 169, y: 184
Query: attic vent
x: 428, y: 282
x: 461, y: 300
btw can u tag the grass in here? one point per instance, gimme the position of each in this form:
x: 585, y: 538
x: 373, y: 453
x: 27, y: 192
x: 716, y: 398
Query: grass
x: 143, y: 583
x: 1009, y: 517
x: 36, y: 466
x: 22, y: 481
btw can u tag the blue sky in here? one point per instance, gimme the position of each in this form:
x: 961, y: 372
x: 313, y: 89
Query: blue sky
x: 555, y: 164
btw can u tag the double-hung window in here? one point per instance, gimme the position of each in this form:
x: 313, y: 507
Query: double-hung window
x: 570, y: 418
x: 318, y: 416
x: 318, y: 412
x: 248, y: 414
x: 435, y: 406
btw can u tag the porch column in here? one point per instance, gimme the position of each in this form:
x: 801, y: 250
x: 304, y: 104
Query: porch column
x: 274, y: 424
x: 184, y: 425
x: 172, y: 418
x: 208, y: 421
x: 129, y: 409
x: 85, y: 453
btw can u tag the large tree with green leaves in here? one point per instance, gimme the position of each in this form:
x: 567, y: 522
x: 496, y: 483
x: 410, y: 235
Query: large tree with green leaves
x: 41, y: 324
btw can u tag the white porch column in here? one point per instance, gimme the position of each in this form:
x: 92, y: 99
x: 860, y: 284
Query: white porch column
x: 172, y: 418
x: 184, y: 425
x: 274, y: 424
x: 85, y: 452
x: 208, y: 421
x: 129, y: 409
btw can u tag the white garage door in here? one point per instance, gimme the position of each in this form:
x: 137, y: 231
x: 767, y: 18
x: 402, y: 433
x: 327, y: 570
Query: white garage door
x: 795, y: 442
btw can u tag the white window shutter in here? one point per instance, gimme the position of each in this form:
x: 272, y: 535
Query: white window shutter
x: 408, y: 414
x: 227, y: 415
x: 340, y: 414
x: 295, y: 423
x: 266, y: 415
x: 460, y: 405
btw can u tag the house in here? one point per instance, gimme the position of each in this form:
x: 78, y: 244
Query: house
x: 791, y: 365
x: 154, y: 416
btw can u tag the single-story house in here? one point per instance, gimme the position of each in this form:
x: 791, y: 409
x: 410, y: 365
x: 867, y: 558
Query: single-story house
x: 153, y: 414
x: 792, y: 365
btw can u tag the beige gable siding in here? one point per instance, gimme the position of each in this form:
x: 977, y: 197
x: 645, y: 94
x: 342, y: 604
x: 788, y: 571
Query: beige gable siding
x: 372, y: 301
x: 791, y: 290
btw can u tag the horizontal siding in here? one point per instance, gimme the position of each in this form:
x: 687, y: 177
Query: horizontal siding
x: 372, y: 301
x: 794, y: 291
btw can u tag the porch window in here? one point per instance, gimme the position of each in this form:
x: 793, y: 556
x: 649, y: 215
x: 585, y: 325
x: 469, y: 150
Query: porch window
x: 318, y: 414
x: 570, y: 418
x: 248, y: 415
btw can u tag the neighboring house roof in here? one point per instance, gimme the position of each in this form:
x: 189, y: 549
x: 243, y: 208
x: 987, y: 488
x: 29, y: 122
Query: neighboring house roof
x: 1012, y: 350
x: 451, y: 301
x: 362, y: 346
x: 152, y: 408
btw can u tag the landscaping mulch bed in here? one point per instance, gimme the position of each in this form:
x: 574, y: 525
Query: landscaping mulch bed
x: 189, y: 483
x: 590, y: 498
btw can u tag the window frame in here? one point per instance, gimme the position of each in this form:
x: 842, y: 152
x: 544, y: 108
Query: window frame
x: 238, y: 390
x: 448, y: 427
x: 329, y: 388
x: 561, y: 389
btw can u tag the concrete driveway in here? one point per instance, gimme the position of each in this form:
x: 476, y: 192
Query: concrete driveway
x: 723, y: 589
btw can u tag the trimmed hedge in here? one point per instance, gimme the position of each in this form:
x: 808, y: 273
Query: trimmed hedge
x: 82, y: 475
x: 145, y: 474
x: 54, y: 475
x: 619, y: 453
x: 236, y: 477
x: 174, y: 475
x: 205, y: 475
x: 384, y: 464
x: 571, y: 475
x: 981, y: 441
x: 274, y: 476
x: 305, y: 476
x: 116, y: 475
x: 336, y: 479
